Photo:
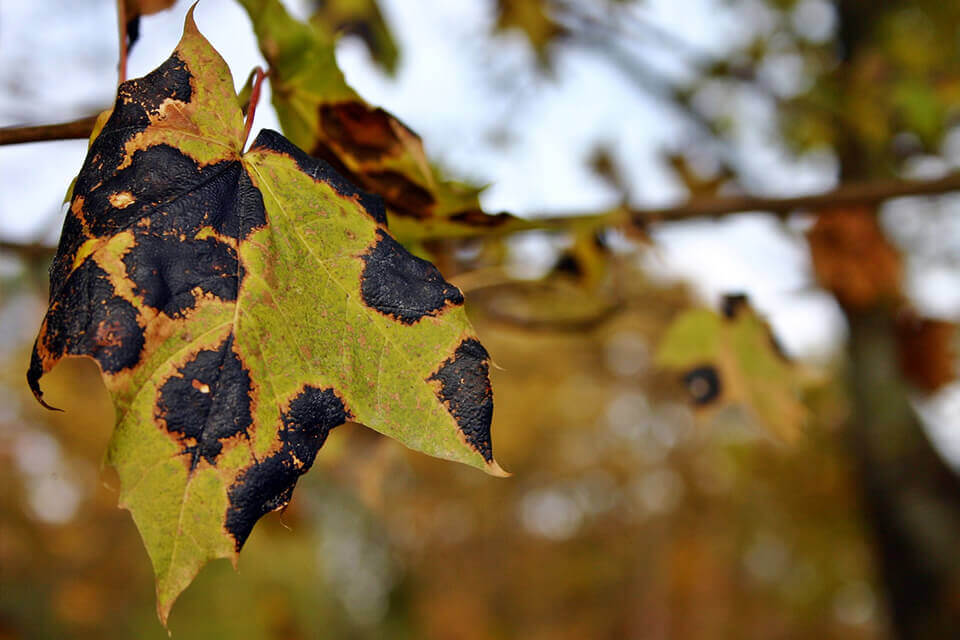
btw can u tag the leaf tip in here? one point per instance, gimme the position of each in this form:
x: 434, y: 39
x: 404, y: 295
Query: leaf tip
x: 189, y: 24
x: 494, y: 469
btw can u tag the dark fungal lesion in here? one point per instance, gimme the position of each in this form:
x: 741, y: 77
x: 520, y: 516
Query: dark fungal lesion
x: 465, y: 391
x: 87, y: 318
x: 137, y: 100
x: 703, y: 385
x: 268, y: 484
x: 206, y: 402
x: 321, y: 171
x: 167, y: 200
x: 400, y: 285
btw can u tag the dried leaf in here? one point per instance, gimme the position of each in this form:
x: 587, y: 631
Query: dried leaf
x: 927, y: 349
x: 853, y: 259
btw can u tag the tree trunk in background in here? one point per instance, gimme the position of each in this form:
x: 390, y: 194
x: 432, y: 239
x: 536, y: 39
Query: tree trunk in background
x: 910, y: 497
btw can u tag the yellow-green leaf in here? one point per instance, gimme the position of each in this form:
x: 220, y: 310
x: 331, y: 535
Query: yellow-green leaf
x: 241, y: 305
x: 734, y: 359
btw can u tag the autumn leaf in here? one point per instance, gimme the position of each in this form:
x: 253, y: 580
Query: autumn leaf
x: 733, y: 358
x: 853, y: 259
x: 927, y: 351
x: 320, y: 113
x: 239, y: 306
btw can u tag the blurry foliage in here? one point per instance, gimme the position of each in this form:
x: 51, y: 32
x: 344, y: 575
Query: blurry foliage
x: 624, y: 515
x: 734, y: 358
x: 532, y: 19
x: 361, y: 19
x: 321, y: 114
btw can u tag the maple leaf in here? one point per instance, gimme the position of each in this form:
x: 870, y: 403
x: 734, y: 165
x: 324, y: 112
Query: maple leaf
x: 240, y: 306
x: 734, y: 358
x: 319, y: 112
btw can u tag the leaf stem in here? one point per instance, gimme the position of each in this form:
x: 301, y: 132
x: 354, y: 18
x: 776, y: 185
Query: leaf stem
x: 254, y: 99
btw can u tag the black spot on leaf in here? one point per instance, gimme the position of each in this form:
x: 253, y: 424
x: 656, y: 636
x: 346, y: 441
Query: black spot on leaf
x: 86, y: 317
x: 268, y: 484
x: 465, y: 390
x: 176, y: 194
x: 703, y: 385
x: 734, y: 303
x: 477, y: 218
x: 206, y: 402
x: 403, y: 286
x: 405, y: 197
x: 136, y: 101
x: 165, y: 271
x: 320, y: 170
x: 166, y: 198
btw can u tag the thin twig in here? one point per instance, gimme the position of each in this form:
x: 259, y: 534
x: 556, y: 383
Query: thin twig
x: 77, y: 129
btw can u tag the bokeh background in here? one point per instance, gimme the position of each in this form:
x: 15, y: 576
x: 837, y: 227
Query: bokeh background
x: 631, y: 512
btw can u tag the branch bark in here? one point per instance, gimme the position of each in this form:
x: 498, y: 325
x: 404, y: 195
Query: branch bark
x: 76, y: 129
x: 863, y: 193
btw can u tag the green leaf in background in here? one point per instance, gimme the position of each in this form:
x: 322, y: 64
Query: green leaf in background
x: 239, y: 306
x: 734, y: 359
x: 360, y: 18
x: 320, y: 113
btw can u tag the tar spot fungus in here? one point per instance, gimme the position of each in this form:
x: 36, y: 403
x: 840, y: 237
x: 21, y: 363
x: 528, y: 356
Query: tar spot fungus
x: 87, y: 318
x: 267, y: 484
x: 403, y: 286
x: 465, y: 391
x: 703, y: 384
x: 167, y: 272
x: 734, y: 303
x: 206, y: 402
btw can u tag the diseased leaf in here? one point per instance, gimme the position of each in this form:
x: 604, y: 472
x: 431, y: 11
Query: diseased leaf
x: 360, y: 18
x: 241, y: 305
x: 734, y: 359
x: 320, y: 113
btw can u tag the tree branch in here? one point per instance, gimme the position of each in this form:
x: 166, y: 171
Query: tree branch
x: 864, y: 193
x: 29, y: 250
x: 77, y: 129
